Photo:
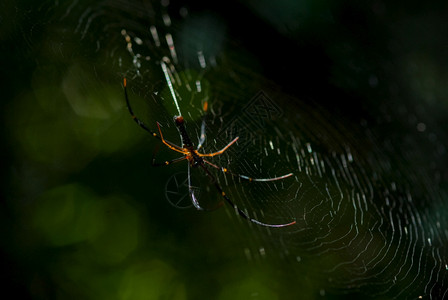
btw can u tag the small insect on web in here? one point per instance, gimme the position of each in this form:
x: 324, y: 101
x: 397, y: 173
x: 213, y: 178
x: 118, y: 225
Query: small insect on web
x: 197, y: 159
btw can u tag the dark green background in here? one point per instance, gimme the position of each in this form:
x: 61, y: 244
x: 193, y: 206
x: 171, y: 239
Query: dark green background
x: 83, y: 214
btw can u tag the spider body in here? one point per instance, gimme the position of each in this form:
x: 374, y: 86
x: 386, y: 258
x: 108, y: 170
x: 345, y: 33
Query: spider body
x: 192, y: 155
x: 196, y: 159
x: 186, y: 141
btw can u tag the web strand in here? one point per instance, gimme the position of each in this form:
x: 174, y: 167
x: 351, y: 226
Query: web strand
x: 170, y: 85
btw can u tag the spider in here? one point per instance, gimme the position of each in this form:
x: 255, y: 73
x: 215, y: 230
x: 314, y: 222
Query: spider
x: 198, y: 160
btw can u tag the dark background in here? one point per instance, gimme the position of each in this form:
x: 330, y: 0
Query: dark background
x: 84, y: 214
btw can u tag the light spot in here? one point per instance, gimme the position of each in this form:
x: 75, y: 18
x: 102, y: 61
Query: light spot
x: 393, y: 186
x: 183, y: 12
x: 373, y: 81
x: 155, y: 36
x: 166, y: 20
x: 308, y: 146
x: 247, y: 253
x: 199, y: 88
x: 421, y: 127
x: 349, y: 157
x: 138, y: 41
x: 201, y: 59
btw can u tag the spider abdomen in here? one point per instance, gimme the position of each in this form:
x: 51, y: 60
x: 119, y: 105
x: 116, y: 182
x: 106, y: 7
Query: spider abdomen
x: 180, y: 123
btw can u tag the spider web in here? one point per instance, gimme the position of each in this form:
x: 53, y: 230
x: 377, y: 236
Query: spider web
x: 368, y: 197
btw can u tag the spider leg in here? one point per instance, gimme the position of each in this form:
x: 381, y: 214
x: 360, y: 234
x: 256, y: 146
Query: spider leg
x: 191, y: 191
x: 220, y: 151
x: 194, y: 200
x: 239, y: 211
x: 169, y: 144
x: 143, y: 125
x: 227, y: 171
x: 137, y: 120
x: 167, y: 162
